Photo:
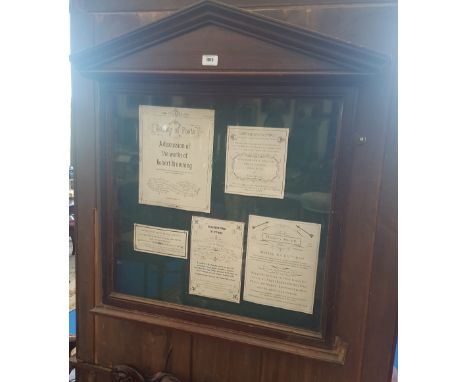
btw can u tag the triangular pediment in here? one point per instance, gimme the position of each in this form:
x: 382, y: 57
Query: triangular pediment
x: 243, y: 42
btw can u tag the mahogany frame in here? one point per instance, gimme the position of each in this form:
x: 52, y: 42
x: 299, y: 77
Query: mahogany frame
x: 358, y: 67
x: 247, y: 329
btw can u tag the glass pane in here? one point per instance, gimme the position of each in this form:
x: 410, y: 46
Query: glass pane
x: 313, y: 123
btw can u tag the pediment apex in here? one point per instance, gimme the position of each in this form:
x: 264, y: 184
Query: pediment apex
x: 348, y: 57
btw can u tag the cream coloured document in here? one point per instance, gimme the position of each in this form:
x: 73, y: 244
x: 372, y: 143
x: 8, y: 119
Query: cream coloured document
x: 216, y: 258
x: 160, y: 241
x: 281, y: 263
x: 176, y: 149
x: 256, y: 161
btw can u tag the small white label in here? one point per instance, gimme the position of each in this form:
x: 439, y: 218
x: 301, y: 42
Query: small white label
x: 210, y: 60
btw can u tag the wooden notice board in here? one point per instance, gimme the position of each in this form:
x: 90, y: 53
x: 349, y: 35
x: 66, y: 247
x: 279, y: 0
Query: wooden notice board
x: 235, y: 190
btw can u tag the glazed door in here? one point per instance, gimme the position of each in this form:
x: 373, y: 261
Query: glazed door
x: 232, y: 224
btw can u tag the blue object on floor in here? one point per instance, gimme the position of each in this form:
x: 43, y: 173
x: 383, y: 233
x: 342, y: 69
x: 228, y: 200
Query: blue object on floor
x: 72, y: 322
x: 395, y: 360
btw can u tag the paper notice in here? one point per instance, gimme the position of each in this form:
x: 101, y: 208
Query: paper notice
x: 160, y: 241
x: 281, y: 263
x: 216, y: 258
x: 176, y: 149
x: 256, y: 161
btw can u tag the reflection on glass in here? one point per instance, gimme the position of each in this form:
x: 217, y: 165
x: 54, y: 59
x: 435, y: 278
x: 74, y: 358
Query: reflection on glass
x: 312, y: 123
